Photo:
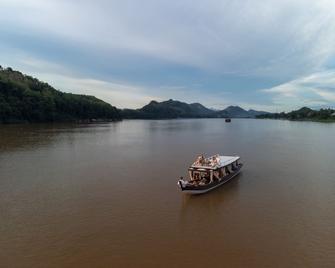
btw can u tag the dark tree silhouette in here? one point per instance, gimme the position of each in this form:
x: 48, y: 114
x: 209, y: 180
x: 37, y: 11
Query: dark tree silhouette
x: 26, y: 99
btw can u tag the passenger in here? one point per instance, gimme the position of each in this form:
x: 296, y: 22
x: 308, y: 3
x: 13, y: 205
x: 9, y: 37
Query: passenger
x: 195, y: 177
x: 222, y: 171
x: 214, y: 161
x: 198, y: 160
x: 206, y: 162
x: 216, y: 175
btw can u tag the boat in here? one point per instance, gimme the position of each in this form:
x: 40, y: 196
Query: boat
x: 228, y: 120
x: 206, y: 174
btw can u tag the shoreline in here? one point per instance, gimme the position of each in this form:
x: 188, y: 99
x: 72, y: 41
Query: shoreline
x: 102, y: 121
x: 302, y: 120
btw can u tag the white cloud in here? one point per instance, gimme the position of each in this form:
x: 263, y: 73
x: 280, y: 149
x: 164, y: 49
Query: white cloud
x: 317, y: 89
x: 327, y: 95
x: 272, y: 38
x: 117, y: 93
x: 278, y: 40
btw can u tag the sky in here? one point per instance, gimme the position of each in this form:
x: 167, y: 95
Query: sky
x: 266, y: 55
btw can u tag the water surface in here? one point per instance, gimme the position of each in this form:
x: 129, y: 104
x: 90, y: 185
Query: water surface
x: 105, y: 195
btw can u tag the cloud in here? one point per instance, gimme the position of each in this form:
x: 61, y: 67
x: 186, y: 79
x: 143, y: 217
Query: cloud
x: 327, y: 95
x: 317, y: 89
x: 273, y: 38
x: 120, y: 95
x: 160, y: 49
x: 117, y: 93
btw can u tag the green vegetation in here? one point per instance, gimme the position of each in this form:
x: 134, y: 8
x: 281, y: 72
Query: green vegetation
x: 324, y: 115
x: 176, y: 109
x: 26, y: 99
x: 169, y: 109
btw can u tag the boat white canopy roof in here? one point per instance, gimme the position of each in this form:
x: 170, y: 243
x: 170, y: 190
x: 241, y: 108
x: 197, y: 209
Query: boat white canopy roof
x: 214, y: 162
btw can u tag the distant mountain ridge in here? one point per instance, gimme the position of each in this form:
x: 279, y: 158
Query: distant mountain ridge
x: 177, y: 109
x: 26, y: 99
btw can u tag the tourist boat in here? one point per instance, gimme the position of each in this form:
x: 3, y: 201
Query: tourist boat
x: 209, y: 173
x: 228, y: 120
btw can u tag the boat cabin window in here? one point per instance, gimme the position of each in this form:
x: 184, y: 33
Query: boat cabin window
x: 199, y: 175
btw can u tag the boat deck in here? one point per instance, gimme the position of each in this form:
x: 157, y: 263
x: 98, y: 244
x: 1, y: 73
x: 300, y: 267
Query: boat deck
x: 221, y: 161
x: 199, y: 189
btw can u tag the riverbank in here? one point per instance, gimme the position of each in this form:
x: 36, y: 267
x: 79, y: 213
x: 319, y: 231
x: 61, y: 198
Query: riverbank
x: 303, y: 120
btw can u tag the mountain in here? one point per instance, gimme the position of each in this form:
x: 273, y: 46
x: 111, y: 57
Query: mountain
x: 255, y: 113
x: 169, y: 109
x: 200, y: 109
x: 26, y: 99
x: 177, y: 109
x: 236, y: 111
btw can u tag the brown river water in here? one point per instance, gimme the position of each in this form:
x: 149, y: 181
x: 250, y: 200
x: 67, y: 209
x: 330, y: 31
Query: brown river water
x: 105, y: 195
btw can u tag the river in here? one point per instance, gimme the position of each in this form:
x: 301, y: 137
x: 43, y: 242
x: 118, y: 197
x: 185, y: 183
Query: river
x: 105, y: 195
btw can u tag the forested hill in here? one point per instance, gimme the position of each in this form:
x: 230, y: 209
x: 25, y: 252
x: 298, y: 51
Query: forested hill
x: 26, y: 99
x: 177, y: 109
x: 304, y: 113
x: 168, y: 110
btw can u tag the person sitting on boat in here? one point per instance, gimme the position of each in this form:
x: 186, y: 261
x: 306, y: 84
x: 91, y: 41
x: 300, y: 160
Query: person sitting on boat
x: 205, y: 179
x: 195, y: 177
x: 200, y: 160
x: 197, y: 161
x: 222, y: 172
x: 195, y: 180
x: 216, y: 175
x: 213, y: 161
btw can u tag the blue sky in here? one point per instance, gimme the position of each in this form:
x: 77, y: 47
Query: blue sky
x: 267, y: 55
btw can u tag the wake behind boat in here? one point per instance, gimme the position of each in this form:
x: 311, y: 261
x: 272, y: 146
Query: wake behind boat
x: 209, y: 173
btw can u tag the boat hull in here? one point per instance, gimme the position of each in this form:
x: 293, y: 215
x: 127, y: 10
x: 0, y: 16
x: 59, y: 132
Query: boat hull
x: 201, y: 189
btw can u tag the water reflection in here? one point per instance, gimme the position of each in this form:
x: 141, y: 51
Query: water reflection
x: 20, y: 137
x: 210, y: 204
x: 176, y: 125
